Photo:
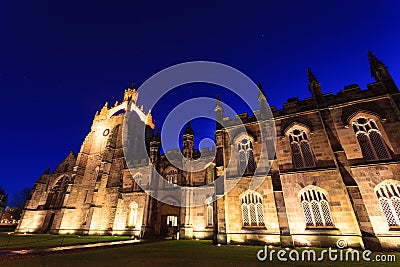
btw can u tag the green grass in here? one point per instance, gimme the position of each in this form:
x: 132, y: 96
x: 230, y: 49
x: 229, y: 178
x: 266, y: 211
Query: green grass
x: 29, y: 241
x: 171, y: 253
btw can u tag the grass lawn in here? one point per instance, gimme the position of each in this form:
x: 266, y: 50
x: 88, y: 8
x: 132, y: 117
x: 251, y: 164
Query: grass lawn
x: 171, y: 253
x: 29, y: 241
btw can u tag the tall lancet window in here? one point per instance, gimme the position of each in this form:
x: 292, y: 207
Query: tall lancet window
x: 388, y: 194
x: 209, y: 215
x: 247, y: 164
x: 302, y: 155
x: 132, y: 215
x: 372, y: 145
x: 56, y: 196
x: 252, y: 209
x: 315, y: 207
x: 209, y: 212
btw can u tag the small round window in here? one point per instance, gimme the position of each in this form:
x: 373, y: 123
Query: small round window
x: 106, y: 132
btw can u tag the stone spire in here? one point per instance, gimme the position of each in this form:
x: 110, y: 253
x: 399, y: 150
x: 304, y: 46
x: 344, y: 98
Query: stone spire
x: 188, y: 141
x: 380, y: 73
x: 375, y: 64
x: 155, y: 144
x: 189, y: 129
x: 315, y: 88
x: 156, y: 137
x: 261, y: 92
x: 262, y: 100
x: 219, y: 112
x: 311, y: 77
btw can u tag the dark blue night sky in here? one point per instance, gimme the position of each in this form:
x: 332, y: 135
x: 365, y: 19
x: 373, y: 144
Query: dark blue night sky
x: 61, y: 60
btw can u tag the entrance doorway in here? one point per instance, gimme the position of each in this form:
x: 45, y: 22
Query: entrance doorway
x: 169, y: 225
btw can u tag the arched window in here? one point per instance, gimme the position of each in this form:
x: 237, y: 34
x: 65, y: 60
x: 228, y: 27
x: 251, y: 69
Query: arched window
x: 246, y: 156
x: 56, y: 196
x: 209, y: 215
x: 388, y: 194
x: 301, y: 150
x: 315, y: 207
x: 172, y: 176
x: 252, y: 209
x: 372, y: 145
x: 132, y: 215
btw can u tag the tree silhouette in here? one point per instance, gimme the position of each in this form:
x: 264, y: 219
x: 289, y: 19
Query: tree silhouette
x: 18, y: 202
x: 3, y: 201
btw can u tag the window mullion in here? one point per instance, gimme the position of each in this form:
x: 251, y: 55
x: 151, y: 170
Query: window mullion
x: 393, y: 210
x: 312, y: 213
x: 372, y: 146
x: 322, y: 213
x: 302, y: 155
x: 249, y: 214
x: 256, y: 209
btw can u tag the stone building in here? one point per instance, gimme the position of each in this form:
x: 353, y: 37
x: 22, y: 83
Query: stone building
x: 335, y: 175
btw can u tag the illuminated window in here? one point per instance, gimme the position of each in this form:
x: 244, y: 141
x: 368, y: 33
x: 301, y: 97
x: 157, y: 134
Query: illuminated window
x: 172, y: 177
x: 209, y: 215
x: 252, y: 209
x: 302, y: 155
x: 132, y: 214
x: 315, y: 208
x: 172, y: 220
x: 388, y: 194
x: 246, y: 156
x: 372, y: 145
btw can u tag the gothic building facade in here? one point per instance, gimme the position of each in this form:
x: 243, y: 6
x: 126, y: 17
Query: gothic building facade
x: 335, y: 175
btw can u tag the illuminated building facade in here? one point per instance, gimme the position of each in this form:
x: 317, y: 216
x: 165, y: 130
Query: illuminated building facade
x: 335, y: 175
